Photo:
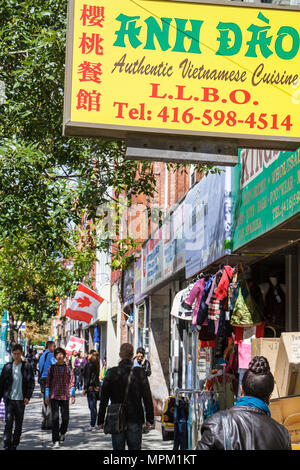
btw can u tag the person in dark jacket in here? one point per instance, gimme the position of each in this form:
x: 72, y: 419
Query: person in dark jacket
x: 92, y: 386
x: 16, y: 389
x: 141, y: 361
x: 113, y: 388
x: 248, y: 424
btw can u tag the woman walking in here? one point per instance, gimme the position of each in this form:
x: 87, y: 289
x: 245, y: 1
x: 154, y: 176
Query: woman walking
x: 92, y: 386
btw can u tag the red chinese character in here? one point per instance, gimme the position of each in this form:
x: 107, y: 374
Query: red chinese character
x: 91, y: 43
x: 88, y: 101
x: 92, y: 15
x: 90, y: 72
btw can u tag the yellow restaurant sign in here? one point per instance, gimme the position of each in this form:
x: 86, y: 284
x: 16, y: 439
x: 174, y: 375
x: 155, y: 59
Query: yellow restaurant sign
x: 183, y: 67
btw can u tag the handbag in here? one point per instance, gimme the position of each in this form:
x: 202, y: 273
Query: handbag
x: 115, y: 422
x: 245, y: 312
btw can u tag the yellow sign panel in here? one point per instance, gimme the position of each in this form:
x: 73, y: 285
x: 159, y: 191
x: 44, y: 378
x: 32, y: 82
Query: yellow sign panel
x: 183, y: 67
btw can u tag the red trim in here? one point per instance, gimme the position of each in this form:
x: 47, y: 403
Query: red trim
x: 79, y: 315
x: 90, y: 292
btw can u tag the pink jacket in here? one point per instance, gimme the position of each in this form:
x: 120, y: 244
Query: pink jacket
x: 196, y: 293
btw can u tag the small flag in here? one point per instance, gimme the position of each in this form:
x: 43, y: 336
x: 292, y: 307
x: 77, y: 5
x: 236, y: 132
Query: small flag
x: 74, y: 344
x: 85, y: 304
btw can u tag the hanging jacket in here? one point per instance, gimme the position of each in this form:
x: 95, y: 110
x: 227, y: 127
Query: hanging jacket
x: 203, y: 308
x: 196, y: 294
x: 222, y: 289
x: 177, y: 309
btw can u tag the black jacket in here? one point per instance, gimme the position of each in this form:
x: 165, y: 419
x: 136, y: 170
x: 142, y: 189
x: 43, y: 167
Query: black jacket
x: 114, y: 386
x: 91, y: 376
x: 146, y: 366
x: 6, y: 380
x: 249, y: 428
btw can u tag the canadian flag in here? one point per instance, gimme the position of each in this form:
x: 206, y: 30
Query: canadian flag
x: 84, y: 305
x: 74, y: 344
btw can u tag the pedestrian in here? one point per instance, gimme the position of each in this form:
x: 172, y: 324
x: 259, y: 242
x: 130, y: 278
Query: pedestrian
x: 59, y: 387
x: 72, y: 359
x: 78, y: 371
x: 116, y: 381
x: 141, y: 361
x: 46, y: 360
x: 30, y: 356
x: 16, y: 389
x: 92, y: 387
x: 248, y: 424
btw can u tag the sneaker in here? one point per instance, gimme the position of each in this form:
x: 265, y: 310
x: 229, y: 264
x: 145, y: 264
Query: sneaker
x: 62, y: 437
x: 55, y: 445
x: 90, y: 428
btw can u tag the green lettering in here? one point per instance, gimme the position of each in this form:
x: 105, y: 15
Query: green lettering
x: 161, y: 34
x: 224, y: 39
x: 128, y: 28
x: 193, y: 35
x: 259, y: 38
x: 282, y: 33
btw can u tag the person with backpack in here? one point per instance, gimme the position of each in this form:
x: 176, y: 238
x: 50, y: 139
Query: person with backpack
x: 60, y: 386
x: 127, y: 388
x: 16, y: 389
x: 46, y: 360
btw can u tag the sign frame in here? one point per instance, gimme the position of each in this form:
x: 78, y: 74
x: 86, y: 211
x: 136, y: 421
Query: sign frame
x: 157, y: 143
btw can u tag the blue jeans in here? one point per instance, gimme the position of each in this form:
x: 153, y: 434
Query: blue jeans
x: 132, y: 436
x: 92, y: 402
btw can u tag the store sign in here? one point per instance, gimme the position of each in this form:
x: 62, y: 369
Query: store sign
x: 207, y: 209
x: 266, y: 192
x: 188, y: 68
x: 128, y: 285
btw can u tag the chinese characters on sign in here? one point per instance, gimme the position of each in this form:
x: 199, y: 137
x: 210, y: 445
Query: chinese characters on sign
x: 91, y: 42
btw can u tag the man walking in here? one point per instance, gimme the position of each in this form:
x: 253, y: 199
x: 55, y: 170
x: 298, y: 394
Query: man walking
x: 59, y: 386
x: 16, y: 389
x: 113, y: 388
x: 46, y: 360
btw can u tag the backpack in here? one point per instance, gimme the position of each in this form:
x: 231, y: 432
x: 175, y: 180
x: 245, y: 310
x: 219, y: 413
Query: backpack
x: 40, y: 373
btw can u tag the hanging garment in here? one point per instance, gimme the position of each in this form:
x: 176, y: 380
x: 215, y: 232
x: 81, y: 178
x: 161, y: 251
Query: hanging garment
x: 275, y: 307
x: 222, y: 289
x: 245, y: 312
x: 177, y: 309
x: 203, y: 307
x: 181, y: 412
x: 196, y: 295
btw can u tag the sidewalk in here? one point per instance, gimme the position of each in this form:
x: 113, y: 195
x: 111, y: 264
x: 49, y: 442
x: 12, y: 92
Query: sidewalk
x: 76, y: 438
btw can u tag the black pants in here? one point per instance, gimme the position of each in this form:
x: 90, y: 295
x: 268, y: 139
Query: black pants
x: 46, y: 409
x: 63, y: 405
x: 14, y: 413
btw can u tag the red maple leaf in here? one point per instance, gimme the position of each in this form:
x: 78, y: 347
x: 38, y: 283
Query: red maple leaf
x: 83, y: 302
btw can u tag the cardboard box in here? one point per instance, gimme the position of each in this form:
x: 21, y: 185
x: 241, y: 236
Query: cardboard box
x: 267, y: 347
x: 287, y: 368
x: 286, y: 411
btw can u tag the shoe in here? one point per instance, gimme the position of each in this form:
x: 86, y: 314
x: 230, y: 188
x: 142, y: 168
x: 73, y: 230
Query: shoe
x: 62, y: 437
x: 90, y: 428
x: 55, y: 445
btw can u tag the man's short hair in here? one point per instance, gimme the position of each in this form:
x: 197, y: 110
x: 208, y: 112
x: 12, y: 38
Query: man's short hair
x: 49, y: 344
x: 17, y: 347
x: 59, y: 350
x: 141, y: 351
x: 126, y: 351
